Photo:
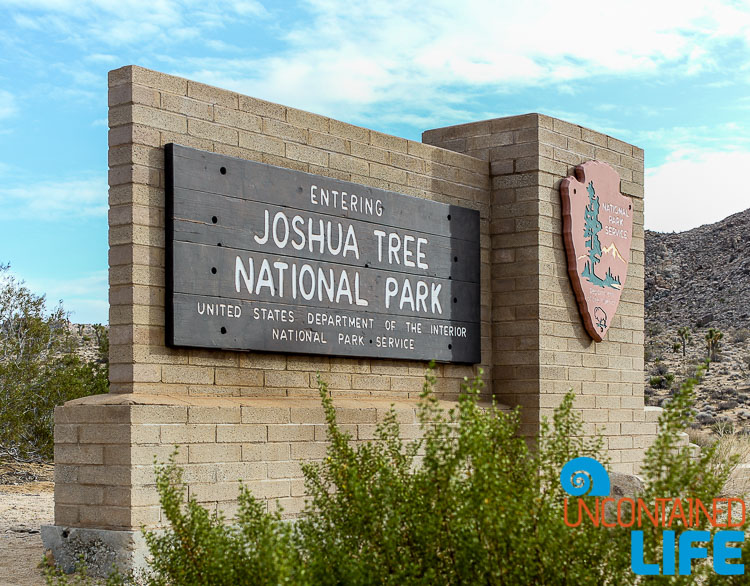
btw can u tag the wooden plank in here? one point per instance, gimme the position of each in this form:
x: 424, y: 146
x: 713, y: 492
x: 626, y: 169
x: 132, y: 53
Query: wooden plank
x: 199, y: 269
x: 247, y: 180
x: 210, y: 322
x: 228, y: 286
x: 207, y: 218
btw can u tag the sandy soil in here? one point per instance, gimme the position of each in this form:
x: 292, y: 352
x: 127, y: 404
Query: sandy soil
x: 25, y: 505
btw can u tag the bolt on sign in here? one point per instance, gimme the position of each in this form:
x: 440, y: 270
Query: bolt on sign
x: 266, y: 258
x: 598, y: 231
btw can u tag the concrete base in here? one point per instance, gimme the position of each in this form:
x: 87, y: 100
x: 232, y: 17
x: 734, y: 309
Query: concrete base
x: 101, y: 550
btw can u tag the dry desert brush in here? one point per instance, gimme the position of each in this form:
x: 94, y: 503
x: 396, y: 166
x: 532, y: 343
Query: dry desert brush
x: 469, y: 502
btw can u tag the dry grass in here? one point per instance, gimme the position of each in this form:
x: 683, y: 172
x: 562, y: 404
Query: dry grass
x: 728, y: 446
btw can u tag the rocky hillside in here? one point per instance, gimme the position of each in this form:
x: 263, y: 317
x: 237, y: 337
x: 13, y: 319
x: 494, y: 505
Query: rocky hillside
x: 701, y: 279
x: 86, y: 337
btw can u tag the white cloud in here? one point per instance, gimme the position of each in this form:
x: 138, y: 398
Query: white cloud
x: 8, y: 106
x: 696, y: 189
x: 351, y: 56
x: 128, y: 22
x: 84, y: 297
x: 55, y: 200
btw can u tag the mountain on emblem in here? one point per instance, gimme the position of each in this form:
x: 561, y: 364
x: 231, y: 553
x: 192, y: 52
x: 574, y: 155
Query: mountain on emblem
x: 598, y: 231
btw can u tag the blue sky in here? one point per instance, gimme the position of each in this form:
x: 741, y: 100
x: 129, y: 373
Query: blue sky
x: 670, y: 77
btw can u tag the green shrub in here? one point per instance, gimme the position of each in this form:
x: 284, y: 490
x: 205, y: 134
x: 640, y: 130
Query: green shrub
x: 481, y: 508
x: 661, y: 382
x: 468, y: 503
x: 201, y: 548
x: 39, y: 369
x: 740, y: 336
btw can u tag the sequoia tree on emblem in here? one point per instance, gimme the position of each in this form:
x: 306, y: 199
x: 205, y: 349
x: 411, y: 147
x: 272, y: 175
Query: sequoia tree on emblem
x: 598, y: 231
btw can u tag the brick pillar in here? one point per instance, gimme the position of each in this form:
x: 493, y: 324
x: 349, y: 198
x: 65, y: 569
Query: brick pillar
x: 540, y: 348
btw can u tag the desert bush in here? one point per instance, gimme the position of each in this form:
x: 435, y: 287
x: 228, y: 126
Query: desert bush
x: 470, y: 502
x: 659, y: 369
x: 740, y: 336
x: 658, y: 382
x: 201, y: 548
x: 745, y: 365
x: 39, y: 369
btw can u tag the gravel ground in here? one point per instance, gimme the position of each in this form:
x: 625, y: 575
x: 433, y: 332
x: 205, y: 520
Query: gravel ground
x: 26, y: 503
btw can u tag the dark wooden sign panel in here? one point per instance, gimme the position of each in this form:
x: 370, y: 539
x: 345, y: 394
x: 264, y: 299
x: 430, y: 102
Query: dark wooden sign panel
x: 266, y: 258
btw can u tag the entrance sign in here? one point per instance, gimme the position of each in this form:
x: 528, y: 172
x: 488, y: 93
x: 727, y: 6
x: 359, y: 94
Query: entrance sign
x: 266, y: 258
x: 598, y: 230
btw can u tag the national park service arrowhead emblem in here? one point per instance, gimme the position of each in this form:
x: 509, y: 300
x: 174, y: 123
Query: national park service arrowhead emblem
x: 598, y: 230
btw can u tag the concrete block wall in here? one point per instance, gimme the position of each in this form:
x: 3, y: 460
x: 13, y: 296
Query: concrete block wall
x: 150, y: 109
x: 540, y: 349
x: 106, y: 445
x: 236, y: 415
x: 256, y: 416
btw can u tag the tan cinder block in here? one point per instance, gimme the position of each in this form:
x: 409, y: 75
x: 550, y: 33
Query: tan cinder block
x: 262, y: 143
x: 249, y: 432
x: 307, y: 415
x: 182, y: 434
x: 369, y: 153
x: 329, y: 142
x: 260, y: 414
x: 653, y: 414
x: 284, y: 131
x: 308, y: 451
x: 216, y: 491
x: 216, y: 132
x: 186, y: 106
x: 262, y: 108
x: 348, y: 163
x: 187, y: 374
x: 270, y: 452
x: 300, y: 152
x: 77, y: 454
x: 285, y: 470
x: 371, y: 382
x: 200, y: 453
x: 105, y: 475
x: 333, y: 380
x: 212, y: 414
x: 66, y: 434
x: 239, y: 376
x: 270, y: 489
x: 134, y: 94
x: 158, y: 414
x: 263, y: 361
x: 291, y: 433
x: 238, y: 119
x: 241, y: 471
x: 66, y: 515
x: 212, y: 95
x: 287, y: 379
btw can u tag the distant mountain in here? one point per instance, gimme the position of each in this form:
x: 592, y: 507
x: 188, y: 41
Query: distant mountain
x: 700, y: 277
